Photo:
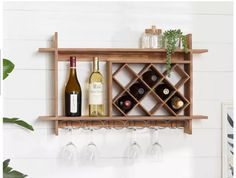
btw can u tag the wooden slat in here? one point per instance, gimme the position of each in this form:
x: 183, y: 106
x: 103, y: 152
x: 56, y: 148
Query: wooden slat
x: 109, y: 86
x: 122, y: 124
x: 55, y: 44
x: 189, y: 87
x: 127, y: 118
x: 46, y: 49
x: 199, y: 51
x: 105, y: 58
x: 115, y: 50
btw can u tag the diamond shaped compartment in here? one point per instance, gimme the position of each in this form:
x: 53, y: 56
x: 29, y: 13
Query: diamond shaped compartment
x: 119, y: 101
x: 162, y: 111
x: 177, y: 111
x: 124, y: 76
x: 138, y: 111
x: 137, y: 68
x: 178, y: 76
x: 117, y: 88
x: 151, y: 102
x: 144, y: 76
x: 160, y: 87
x: 138, y: 89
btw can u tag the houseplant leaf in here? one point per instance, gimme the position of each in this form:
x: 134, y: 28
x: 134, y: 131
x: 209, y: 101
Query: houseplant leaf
x: 18, y: 122
x: 231, y: 136
x: 9, y: 173
x: 6, y: 163
x: 8, y: 67
x: 231, y: 122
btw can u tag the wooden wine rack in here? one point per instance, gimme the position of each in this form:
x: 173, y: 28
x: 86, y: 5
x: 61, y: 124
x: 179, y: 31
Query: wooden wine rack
x: 121, y: 59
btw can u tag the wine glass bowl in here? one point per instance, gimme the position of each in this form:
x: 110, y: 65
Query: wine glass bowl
x: 69, y: 152
x: 91, y: 151
x: 134, y: 151
x: 155, y: 151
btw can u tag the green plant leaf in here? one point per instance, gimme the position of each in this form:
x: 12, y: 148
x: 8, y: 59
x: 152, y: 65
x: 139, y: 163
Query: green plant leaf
x: 6, y: 163
x: 170, y: 38
x: 8, y: 172
x: 8, y: 67
x: 18, y: 122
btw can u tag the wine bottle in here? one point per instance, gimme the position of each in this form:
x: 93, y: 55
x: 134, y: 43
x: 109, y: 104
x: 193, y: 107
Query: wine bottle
x: 73, y: 92
x: 137, y: 90
x: 175, y: 103
x: 150, y: 78
x: 163, y: 91
x: 96, y: 93
x: 125, y: 103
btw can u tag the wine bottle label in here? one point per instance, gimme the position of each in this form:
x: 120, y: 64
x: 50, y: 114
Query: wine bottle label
x: 96, y: 93
x: 73, y: 103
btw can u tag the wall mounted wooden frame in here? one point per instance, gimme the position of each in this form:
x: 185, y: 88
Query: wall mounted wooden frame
x: 125, y: 57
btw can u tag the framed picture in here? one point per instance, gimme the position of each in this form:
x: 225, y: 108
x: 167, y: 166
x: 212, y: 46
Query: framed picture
x: 227, y: 140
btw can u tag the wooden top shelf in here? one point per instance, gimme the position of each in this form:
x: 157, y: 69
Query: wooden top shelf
x: 114, y: 50
x: 117, y: 118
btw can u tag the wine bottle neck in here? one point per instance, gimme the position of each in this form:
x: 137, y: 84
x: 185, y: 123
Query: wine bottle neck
x: 95, y: 64
x: 72, y: 71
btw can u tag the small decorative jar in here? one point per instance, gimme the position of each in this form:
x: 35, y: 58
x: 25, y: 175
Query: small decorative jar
x: 145, y: 39
x: 152, y: 38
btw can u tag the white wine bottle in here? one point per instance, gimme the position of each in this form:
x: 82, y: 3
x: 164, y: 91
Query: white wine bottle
x: 73, y: 92
x: 96, y: 91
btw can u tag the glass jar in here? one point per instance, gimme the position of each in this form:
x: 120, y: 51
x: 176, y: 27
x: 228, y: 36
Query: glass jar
x: 155, y: 40
x: 145, y: 39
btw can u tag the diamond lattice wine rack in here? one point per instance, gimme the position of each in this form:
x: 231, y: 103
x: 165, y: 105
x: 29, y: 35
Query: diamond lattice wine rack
x: 126, y: 66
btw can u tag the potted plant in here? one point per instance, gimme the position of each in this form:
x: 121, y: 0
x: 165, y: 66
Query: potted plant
x: 172, y: 40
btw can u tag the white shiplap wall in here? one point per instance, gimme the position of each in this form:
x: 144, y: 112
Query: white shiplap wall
x: 28, y: 94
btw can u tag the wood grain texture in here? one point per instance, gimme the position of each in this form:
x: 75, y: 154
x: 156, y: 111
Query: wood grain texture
x: 55, y: 45
x: 128, y: 118
x: 115, y: 50
x: 188, y: 87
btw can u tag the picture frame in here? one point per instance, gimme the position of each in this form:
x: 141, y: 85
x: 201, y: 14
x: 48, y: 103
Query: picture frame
x: 227, y: 140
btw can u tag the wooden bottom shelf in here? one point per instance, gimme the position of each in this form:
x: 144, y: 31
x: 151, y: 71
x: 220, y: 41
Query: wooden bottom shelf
x: 129, y: 118
x: 123, y: 122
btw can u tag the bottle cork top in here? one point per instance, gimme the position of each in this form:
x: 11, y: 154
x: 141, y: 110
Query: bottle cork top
x: 72, y: 61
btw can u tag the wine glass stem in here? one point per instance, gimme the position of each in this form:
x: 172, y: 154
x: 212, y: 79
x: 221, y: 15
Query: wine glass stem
x: 134, y: 138
x: 155, y: 136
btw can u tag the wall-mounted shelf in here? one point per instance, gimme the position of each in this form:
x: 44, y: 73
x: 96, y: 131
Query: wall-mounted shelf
x: 121, y: 60
x: 109, y: 51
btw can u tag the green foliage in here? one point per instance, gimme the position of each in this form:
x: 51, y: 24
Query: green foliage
x: 8, y: 172
x: 8, y: 67
x: 170, y: 38
x: 18, y: 122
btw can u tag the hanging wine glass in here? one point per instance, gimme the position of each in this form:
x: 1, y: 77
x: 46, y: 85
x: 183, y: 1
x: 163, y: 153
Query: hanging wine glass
x: 134, y: 149
x: 155, y: 151
x: 91, y: 149
x: 69, y: 151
